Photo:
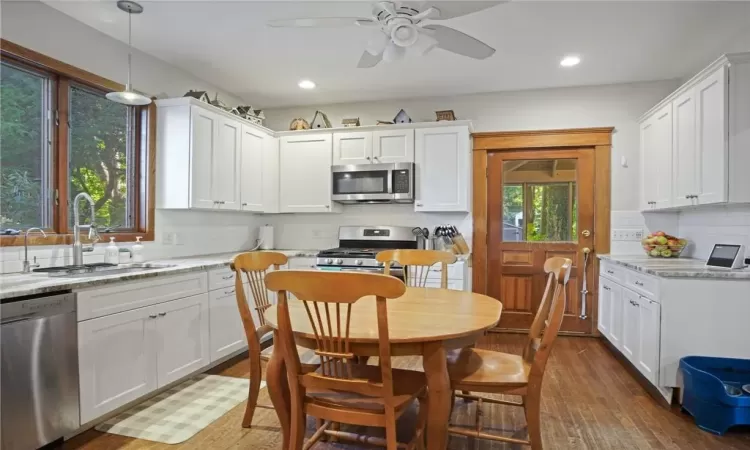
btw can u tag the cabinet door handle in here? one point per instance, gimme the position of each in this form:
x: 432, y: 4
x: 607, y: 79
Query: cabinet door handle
x: 328, y: 207
x: 231, y: 291
x: 419, y: 204
x: 606, y: 288
x: 368, y: 158
x: 228, y: 277
x: 244, y: 204
x: 376, y: 158
x: 152, y: 316
x: 610, y: 272
x: 638, y: 283
x: 162, y: 314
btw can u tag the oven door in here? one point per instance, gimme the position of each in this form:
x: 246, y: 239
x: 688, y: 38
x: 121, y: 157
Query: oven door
x: 362, y: 183
x: 397, y: 272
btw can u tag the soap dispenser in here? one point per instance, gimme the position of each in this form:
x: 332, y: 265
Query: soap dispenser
x: 137, y: 250
x: 112, y: 253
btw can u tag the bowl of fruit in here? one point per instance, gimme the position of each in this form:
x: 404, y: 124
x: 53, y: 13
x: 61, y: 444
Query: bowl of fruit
x: 663, y: 245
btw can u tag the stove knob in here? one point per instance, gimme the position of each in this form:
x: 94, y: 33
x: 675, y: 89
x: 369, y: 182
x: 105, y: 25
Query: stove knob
x: 358, y: 262
x: 339, y: 261
x: 381, y: 264
x: 329, y: 261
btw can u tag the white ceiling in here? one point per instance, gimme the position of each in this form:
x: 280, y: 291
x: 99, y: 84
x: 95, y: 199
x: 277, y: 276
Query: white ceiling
x: 228, y: 44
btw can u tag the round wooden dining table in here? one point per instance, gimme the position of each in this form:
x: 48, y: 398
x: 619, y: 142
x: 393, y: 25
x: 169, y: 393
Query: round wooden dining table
x: 426, y: 322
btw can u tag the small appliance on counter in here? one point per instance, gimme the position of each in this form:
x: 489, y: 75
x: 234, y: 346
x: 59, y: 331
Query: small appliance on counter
x: 726, y: 256
x: 265, y: 236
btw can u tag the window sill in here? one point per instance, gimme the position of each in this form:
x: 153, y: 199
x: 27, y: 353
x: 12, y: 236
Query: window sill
x: 36, y: 239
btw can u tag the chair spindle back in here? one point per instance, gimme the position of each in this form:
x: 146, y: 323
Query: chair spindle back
x: 417, y: 264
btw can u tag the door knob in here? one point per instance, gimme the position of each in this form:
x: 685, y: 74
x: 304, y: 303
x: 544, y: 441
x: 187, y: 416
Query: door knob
x: 586, y: 233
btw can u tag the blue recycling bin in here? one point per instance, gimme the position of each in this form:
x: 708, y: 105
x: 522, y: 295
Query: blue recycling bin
x: 713, y: 391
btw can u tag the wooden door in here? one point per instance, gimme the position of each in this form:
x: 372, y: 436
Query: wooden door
x: 352, y: 147
x: 182, y: 332
x: 443, y: 169
x: 203, y: 140
x: 540, y: 204
x: 684, y: 149
x: 117, y: 360
x: 712, y: 145
x: 251, y: 169
x: 393, y: 146
x: 305, y: 173
x: 226, y: 165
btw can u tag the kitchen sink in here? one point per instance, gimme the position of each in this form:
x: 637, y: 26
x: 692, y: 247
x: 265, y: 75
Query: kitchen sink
x: 102, y: 269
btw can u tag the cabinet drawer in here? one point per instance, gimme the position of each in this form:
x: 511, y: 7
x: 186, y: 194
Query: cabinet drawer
x: 455, y: 271
x: 642, y: 284
x: 612, y: 271
x: 98, y: 302
x: 220, y: 278
x: 300, y: 263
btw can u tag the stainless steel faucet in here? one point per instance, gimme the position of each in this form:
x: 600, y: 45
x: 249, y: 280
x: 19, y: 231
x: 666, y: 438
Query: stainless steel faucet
x: 78, y: 248
x: 26, y: 265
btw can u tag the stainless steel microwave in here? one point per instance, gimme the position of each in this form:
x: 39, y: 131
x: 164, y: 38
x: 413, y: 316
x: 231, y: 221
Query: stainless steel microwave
x: 373, y: 183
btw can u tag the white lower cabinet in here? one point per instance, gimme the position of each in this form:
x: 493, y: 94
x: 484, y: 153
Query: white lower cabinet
x: 649, y: 338
x: 116, y: 360
x: 127, y: 355
x: 182, y: 333
x: 631, y: 327
x: 227, y: 332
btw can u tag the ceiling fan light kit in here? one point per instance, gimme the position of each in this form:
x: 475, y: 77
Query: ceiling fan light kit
x: 402, y: 31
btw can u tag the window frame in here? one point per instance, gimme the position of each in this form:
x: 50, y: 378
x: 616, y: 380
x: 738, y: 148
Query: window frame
x: 144, y: 158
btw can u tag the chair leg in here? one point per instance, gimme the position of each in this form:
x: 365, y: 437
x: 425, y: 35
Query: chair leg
x: 532, y: 403
x: 390, y: 429
x: 297, y: 431
x: 252, y: 400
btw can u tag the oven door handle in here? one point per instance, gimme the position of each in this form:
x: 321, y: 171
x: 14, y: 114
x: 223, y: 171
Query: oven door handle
x: 391, y: 174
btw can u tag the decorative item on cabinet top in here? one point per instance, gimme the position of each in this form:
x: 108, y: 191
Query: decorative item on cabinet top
x: 299, y: 124
x: 218, y: 103
x: 354, y: 122
x: 402, y: 117
x: 320, y: 120
x: 199, y: 95
x: 445, y: 115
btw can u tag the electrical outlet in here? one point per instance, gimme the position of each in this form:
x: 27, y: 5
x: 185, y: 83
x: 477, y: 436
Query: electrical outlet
x: 177, y: 238
x: 638, y: 235
x: 627, y: 234
x: 167, y: 238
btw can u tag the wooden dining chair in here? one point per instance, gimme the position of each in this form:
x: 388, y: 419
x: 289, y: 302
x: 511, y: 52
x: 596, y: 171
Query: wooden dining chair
x: 254, y: 266
x: 342, y: 391
x: 417, y: 264
x: 491, y: 372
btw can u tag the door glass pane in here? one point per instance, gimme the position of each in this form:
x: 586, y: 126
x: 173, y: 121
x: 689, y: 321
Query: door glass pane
x: 540, y: 200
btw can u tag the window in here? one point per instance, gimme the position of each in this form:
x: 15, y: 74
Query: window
x: 60, y: 136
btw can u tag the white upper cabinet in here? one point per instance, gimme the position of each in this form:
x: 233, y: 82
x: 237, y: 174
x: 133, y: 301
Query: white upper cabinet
x: 251, y: 169
x: 684, y: 164
x: 712, y: 135
x: 694, y: 143
x: 443, y: 170
x: 305, y: 173
x: 204, y: 140
x: 373, y: 147
x: 225, y: 166
x: 393, y: 146
x: 352, y: 147
x: 203, y: 156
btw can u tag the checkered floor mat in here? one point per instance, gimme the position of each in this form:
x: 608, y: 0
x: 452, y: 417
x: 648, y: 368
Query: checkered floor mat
x: 176, y: 415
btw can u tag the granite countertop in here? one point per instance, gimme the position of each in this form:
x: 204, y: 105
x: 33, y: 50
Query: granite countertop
x: 17, y: 285
x: 675, y: 267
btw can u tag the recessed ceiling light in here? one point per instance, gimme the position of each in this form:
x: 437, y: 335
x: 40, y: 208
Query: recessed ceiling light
x: 306, y: 84
x: 570, y: 61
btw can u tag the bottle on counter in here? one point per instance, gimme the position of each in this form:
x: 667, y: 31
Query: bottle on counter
x: 112, y: 253
x: 137, y: 250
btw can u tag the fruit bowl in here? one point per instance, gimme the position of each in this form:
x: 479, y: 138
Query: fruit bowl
x: 662, y: 245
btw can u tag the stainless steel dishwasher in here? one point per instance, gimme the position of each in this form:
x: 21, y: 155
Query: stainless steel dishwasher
x: 39, y: 372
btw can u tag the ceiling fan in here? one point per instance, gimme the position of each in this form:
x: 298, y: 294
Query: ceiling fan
x: 402, y: 30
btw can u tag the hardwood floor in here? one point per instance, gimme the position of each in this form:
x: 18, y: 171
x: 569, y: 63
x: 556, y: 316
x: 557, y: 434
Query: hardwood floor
x: 589, y: 401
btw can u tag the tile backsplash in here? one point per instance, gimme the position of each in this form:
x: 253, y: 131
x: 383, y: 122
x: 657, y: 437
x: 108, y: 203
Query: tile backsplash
x: 719, y: 224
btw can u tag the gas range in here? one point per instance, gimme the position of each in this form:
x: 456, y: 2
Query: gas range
x: 358, y: 247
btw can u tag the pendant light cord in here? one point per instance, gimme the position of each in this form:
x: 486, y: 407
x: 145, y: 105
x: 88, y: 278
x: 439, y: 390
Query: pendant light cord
x: 130, y: 48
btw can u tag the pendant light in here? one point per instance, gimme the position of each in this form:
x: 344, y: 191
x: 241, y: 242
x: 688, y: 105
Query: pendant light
x: 128, y: 96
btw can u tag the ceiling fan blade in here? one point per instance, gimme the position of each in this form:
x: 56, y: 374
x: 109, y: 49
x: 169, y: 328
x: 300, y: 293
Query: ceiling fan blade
x: 377, y: 44
x: 457, y: 42
x: 368, y: 60
x: 393, y: 52
x: 449, y: 10
x: 315, y: 22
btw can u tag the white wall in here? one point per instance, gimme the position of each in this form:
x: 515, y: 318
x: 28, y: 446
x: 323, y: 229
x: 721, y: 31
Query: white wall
x: 44, y: 29
x: 596, y: 106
